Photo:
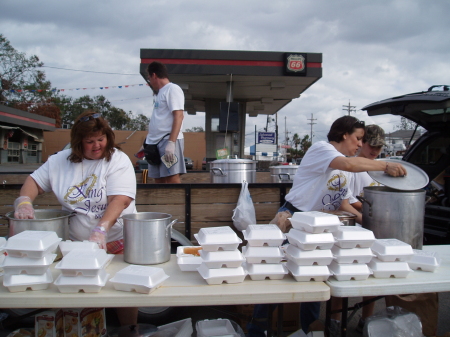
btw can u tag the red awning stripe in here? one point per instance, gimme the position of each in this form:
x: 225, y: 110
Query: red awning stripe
x: 227, y: 62
x: 25, y: 119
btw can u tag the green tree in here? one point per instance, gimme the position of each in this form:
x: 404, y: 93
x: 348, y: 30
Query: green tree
x: 196, y: 129
x: 138, y: 123
x: 406, y: 124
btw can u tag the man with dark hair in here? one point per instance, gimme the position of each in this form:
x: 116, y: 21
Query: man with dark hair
x: 165, y: 125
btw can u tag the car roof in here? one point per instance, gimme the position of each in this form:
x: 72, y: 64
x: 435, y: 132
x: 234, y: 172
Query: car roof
x: 430, y: 109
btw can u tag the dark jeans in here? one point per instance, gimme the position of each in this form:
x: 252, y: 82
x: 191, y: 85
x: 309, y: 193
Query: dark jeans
x: 309, y: 312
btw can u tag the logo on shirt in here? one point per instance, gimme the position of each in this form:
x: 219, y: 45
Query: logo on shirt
x: 337, y: 190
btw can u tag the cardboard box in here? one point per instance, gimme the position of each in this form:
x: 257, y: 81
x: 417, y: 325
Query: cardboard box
x: 93, y: 322
x: 291, y: 316
x: 72, y: 326
x: 49, y: 324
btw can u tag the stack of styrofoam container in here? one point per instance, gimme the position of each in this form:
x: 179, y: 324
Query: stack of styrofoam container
x: 311, y: 239
x: 392, y: 256
x: 29, y: 256
x: 221, y: 259
x: 263, y: 253
x: 83, y: 269
x: 352, y: 253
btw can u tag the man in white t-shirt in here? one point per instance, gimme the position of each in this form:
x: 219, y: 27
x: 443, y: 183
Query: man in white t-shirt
x: 165, y: 126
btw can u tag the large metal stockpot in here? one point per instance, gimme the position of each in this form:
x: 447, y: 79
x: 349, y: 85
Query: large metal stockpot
x: 147, y: 237
x: 397, y: 214
x: 283, y: 173
x: 55, y: 220
x: 233, y: 171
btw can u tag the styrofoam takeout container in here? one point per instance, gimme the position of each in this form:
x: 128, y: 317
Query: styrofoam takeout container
x: 315, y: 222
x: 353, y: 237
x: 88, y: 284
x: 22, y: 282
x: 254, y: 254
x: 308, y: 273
x: 352, y: 255
x: 389, y: 250
x: 223, y: 258
x: 263, y: 235
x: 310, y: 241
x: 26, y: 265
x: 32, y: 244
x: 67, y: 246
x: 350, y: 271
x: 261, y: 271
x: 187, y: 262
x: 220, y: 275
x: 381, y: 269
x: 215, y: 327
x: 424, y: 260
x: 217, y: 238
x: 321, y: 257
x: 84, y: 262
x: 142, y: 279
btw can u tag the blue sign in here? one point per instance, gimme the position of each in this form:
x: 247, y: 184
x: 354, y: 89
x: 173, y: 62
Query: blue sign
x: 266, y: 137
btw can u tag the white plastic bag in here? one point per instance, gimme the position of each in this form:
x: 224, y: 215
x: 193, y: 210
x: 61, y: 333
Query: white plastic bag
x: 244, y: 213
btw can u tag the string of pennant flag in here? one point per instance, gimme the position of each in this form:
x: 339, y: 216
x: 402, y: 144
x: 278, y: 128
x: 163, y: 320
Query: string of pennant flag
x: 74, y: 89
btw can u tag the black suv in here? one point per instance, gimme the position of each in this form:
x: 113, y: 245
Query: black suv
x: 431, y: 152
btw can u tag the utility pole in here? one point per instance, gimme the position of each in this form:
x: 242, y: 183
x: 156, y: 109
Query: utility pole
x: 312, y: 119
x: 349, y: 108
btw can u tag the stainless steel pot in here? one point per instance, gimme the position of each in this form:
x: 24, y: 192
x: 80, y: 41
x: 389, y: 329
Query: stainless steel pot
x: 233, y: 171
x: 347, y: 218
x: 55, y: 220
x: 283, y: 173
x: 394, y: 214
x: 147, y: 237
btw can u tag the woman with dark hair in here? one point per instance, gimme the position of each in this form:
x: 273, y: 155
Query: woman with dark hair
x: 95, y: 180
x: 320, y: 184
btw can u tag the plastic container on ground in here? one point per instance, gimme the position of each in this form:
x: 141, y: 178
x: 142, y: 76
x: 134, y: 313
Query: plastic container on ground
x: 315, y: 222
x: 310, y: 241
x: 350, y: 271
x: 84, y: 262
x: 424, y: 260
x: 32, y: 244
x: 354, y: 237
x: 254, y: 254
x: 188, y: 262
x: 215, y: 328
x: 26, y: 265
x: 397, y: 269
x: 67, y: 246
x: 183, y: 328
x: 321, y: 257
x: 261, y: 271
x: 263, y: 235
x: 142, y: 279
x: 224, y: 258
x: 352, y: 255
x: 88, y: 284
x: 220, y: 275
x: 308, y: 273
x: 389, y: 250
x: 22, y: 282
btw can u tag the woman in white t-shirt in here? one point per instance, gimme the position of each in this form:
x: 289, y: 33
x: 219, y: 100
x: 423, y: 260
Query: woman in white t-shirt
x: 95, y: 180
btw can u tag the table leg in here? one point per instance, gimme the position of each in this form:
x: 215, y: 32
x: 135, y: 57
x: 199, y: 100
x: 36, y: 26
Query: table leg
x: 344, y: 316
x: 328, y: 317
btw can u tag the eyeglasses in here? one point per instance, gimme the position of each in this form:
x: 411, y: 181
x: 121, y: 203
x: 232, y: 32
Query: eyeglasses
x: 359, y: 124
x: 93, y: 116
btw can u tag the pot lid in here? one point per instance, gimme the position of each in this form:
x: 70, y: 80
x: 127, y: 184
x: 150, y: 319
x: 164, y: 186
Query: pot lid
x: 284, y: 167
x: 138, y: 330
x: 414, y: 180
x: 234, y: 161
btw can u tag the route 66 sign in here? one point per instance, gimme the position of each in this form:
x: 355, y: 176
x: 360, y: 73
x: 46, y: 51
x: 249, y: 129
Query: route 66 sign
x: 295, y: 64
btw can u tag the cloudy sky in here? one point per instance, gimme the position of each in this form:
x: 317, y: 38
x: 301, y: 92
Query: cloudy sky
x: 371, y: 50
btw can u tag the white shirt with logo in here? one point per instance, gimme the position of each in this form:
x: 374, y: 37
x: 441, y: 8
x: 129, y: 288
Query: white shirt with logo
x: 83, y: 188
x: 316, y: 186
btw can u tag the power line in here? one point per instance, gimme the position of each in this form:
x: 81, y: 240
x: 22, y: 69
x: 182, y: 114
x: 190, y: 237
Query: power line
x: 349, y: 108
x: 312, y: 119
x: 89, y: 71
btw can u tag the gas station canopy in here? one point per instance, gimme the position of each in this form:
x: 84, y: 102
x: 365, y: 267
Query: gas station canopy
x: 265, y: 81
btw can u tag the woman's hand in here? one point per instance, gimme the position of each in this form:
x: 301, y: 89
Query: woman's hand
x: 99, y: 235
x: 395, y: 169
x: 23, y: 208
